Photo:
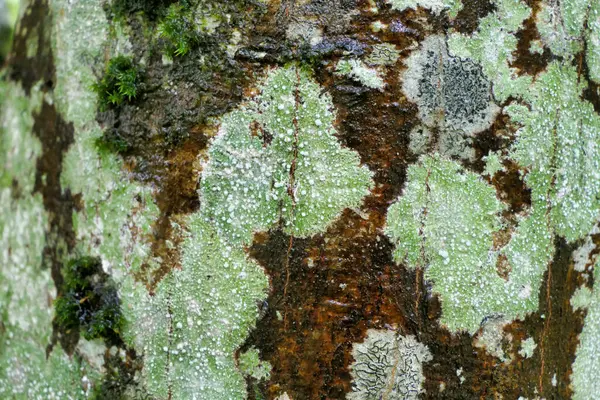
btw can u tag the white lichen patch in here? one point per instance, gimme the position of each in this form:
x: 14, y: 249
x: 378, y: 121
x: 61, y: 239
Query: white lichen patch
x: 452, y: 7
x: 587, y: 363
x: 389, y: 366
x: 358, y: 71
x: 527, y: 347
x: 272, y: 160
x: 492, y: 46
x: 189, y: 329
x: 383, y: 54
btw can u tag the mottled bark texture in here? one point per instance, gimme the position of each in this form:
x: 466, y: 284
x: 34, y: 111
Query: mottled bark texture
x: 300, y: 199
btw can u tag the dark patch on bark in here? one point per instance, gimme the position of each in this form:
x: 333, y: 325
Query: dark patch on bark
x: 525, y: 61
x: 467, y: 20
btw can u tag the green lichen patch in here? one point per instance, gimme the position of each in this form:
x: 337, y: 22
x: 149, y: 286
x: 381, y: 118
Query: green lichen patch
x: 492, y: 46
x: 587, y: 363
x: 89, y: 301
x: 271, y: 161
x: 593, y: 42
x: 358, y: 71
x: 444, y: 222
x: 388, y: 366
x: 559, y: 144
x: 190, y: 327
x: 26, y: 288
x: 452, y: 7
x: 120, y: 83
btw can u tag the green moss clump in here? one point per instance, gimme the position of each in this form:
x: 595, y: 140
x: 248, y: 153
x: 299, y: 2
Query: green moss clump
x: 178, y: 29
x: 89, y: 301
x: 120, y: 83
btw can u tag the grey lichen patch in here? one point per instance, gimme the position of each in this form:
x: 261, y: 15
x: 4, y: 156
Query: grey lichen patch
x: 452, y: 94
x: 452, y: 7
x: 528, y: 346
x: 587, y: 363
x: 358, y: 71
x: 492, y: 46
x: 444, y: 222
x: 271, y: 161
x: 388, y: 366
x: 558, y: 30
x: 189, y: 329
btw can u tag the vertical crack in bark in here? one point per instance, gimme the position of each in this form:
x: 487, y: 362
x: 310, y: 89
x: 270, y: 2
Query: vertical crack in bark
x: 291, y: 189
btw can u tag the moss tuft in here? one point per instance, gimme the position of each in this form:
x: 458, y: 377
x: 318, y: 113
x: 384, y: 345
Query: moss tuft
x: 89, y: 301
x: 119, y: 84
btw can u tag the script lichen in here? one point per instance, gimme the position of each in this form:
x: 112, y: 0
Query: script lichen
x: 388, y: 366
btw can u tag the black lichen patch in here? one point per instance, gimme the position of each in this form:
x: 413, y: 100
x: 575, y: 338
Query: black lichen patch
x: 121, y: 83
x: 89, y: 302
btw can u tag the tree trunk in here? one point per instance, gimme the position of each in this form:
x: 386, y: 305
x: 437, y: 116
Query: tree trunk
x: 300, y: 199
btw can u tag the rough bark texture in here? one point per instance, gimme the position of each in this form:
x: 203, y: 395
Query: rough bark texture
x: 301, y: 199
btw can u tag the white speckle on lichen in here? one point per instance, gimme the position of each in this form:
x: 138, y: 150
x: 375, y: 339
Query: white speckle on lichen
x: 387, y: 364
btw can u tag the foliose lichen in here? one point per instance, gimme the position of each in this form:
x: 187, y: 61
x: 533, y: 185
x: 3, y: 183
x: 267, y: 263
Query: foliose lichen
x: 388, y: 366
x: 528, y: 346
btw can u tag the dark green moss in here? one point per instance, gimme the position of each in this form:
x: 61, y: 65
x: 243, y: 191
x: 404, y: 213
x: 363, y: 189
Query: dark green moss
x: 89, y: 302
x: 178, y: 30
x: 120, y: 83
